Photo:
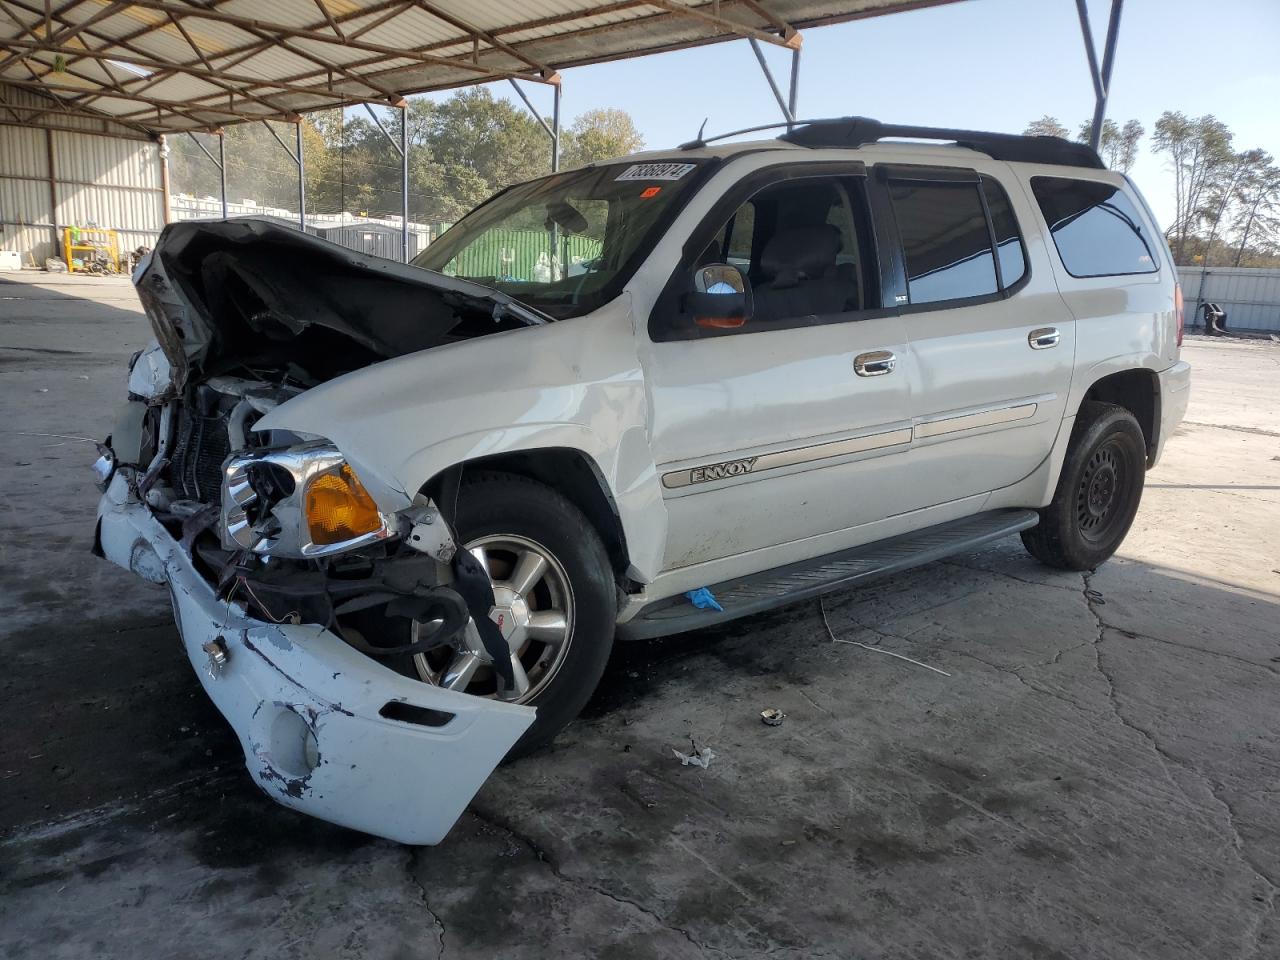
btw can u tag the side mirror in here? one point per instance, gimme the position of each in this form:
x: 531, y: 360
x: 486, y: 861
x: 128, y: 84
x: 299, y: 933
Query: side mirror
x: 721, y: 297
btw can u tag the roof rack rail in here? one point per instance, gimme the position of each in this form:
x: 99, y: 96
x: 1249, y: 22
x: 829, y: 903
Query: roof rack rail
x: 856, y: 131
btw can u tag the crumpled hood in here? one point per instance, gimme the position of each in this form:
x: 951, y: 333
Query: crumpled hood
x: 251, y: 293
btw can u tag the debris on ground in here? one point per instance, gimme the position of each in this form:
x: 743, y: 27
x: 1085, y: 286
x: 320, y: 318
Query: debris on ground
x: 772, y: 717
x: 699, y: 757
x: 704, y: 599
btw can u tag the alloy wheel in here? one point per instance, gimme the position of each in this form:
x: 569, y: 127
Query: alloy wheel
x: 534, y: 611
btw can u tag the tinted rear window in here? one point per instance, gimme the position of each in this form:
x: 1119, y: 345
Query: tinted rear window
x: 1096, y: 229
x: 945, y: 240
x: 1013, y: 262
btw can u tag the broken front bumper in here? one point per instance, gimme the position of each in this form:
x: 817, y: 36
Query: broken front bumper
x: 325, y: 729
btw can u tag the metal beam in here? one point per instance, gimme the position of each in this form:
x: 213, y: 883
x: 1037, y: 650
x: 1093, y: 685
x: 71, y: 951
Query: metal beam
x: 281, y: 30
x: 783, y: 105
x: 220, y: 161
x: 401, y: 148
x: 404, y: 181
x: 529, y: 103
x: 385, y: 132
x: 552, y: 128
x: 555, y: 131
x: 1101, y: 77
x: 787, y: 37
x: 222, y: 169
x: 302, y: 178
x: 793, y: 94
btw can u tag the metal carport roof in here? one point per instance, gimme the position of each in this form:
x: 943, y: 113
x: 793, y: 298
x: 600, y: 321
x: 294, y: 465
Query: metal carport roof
x: 163, y: 66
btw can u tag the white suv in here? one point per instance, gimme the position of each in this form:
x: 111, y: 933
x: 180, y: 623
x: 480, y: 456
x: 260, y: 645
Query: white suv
x: 403, y: 510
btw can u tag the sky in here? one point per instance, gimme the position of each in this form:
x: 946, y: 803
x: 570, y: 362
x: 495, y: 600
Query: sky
x: 984, y: 64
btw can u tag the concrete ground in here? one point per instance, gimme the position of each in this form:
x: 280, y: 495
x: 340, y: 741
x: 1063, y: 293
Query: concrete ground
x: 1094, y: 775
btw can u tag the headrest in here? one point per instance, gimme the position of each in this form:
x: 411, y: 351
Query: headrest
x: 796, y: 253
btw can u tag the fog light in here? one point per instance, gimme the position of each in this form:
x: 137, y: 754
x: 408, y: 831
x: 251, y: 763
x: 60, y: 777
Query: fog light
x: 339, y: 508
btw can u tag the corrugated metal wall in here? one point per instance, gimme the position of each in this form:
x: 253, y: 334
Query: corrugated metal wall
x: 96, y: 178
x: 1250, y: 295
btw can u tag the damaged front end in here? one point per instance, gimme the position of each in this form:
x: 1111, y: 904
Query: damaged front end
x: 305, y: 585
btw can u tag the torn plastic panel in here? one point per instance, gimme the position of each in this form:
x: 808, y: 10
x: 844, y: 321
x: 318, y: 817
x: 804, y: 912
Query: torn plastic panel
x: 325, y: 730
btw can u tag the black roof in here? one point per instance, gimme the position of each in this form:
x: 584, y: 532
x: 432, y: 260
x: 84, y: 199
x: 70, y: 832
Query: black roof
x: 855, y: 131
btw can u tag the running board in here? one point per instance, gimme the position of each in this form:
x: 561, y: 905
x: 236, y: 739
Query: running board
x: 810, y: 578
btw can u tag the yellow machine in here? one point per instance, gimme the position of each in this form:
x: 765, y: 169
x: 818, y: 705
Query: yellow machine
x: 97, y: 249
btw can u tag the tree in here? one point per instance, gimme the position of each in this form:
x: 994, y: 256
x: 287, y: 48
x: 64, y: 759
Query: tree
x: 1257, y: 200
x: 1046, y: 126
x: 1223, y: 192
x: 598, y: 135
x: 1118, y: 145
x: 1199, y: 153
x: 461, y: 150
x: 1130, y: 135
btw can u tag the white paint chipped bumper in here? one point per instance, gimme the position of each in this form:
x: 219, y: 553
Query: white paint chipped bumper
x: 308, y: 708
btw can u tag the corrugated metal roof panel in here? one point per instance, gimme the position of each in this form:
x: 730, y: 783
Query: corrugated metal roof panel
x: 487, y: 39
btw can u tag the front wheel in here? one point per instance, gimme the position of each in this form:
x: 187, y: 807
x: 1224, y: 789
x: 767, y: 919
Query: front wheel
x: 555, y: 602
x: 1098, y: 492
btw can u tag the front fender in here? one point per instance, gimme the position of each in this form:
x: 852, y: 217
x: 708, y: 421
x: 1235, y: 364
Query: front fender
x: 574, y: 384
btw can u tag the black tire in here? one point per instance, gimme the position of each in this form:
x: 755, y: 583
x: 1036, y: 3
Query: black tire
x: 501, y: 504
x: 1098, y: 492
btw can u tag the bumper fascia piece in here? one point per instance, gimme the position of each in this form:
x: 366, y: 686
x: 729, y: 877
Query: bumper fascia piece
x: 309, y: 709
x: 1175, y: 391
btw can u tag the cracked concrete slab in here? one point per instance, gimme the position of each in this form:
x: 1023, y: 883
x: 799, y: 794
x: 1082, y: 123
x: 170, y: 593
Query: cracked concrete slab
x: 1096, y: 777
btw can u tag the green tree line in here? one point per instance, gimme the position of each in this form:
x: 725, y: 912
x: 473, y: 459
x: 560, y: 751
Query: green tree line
x: 461, y: 150
x: 1226, y: 201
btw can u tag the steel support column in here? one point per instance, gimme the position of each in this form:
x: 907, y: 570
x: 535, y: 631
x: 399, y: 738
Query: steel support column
x: 401, y: 148
x: 219, y: 161
x: 555, y: 131
x: 222, y: 170
x: 783, y: 105
x: 163, y: 154
x: 793, y: 95
x: 552, y: 128
x: 404, y: 181
x: 302, y: 177
x: 296, y: 157
x: 1101, y: 76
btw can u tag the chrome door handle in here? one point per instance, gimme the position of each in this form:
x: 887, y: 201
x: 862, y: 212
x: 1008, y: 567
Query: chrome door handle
x: 874, y: 364
x: 1044, y: 338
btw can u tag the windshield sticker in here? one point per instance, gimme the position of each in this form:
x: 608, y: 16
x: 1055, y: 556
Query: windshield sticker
x: 655, y: 171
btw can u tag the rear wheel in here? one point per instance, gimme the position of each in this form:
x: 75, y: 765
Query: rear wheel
x: 555, y: 602
x: 1098, y: 492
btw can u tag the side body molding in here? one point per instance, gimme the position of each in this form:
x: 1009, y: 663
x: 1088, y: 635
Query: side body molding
x: 573, y: 384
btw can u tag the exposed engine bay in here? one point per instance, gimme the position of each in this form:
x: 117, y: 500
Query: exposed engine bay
x: 248, y: 315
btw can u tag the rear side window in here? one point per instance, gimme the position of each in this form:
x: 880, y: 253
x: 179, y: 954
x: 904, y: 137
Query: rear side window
x: 946, y: 244
x: 1004, y: 227
x: 1096, y: 229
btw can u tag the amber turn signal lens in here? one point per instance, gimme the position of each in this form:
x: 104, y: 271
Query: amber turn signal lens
x: 339, y: 508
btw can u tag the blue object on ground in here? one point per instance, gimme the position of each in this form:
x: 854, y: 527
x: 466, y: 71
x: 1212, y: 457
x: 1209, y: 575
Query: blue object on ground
x: 703, y: 599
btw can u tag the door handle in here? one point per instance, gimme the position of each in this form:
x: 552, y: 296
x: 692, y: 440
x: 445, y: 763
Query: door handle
x: 1044, y: 338
x: 874, y: 364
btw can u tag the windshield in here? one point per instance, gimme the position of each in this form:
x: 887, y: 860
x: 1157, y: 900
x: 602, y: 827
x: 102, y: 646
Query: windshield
x: 567, y: 243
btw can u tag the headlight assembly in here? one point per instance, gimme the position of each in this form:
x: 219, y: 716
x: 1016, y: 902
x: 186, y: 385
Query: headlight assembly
x: 299, y: 503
